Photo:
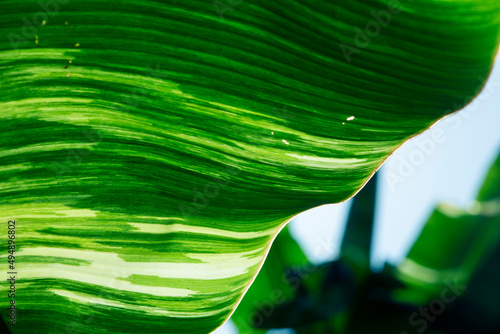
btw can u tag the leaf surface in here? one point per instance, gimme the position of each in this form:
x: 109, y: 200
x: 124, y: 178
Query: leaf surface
x: 152, y: 150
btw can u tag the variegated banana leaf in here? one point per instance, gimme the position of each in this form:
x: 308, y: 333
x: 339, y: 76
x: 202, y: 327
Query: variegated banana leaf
x: 152, y: 150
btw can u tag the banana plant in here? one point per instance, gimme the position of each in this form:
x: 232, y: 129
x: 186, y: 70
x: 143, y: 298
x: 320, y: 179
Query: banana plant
x: 447, y: 284
x: 151, y: 151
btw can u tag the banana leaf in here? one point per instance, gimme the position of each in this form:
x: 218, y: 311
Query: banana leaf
x: 152, y: 150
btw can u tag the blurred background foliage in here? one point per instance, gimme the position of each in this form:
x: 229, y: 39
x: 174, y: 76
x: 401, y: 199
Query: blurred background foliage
x: 448, y: 283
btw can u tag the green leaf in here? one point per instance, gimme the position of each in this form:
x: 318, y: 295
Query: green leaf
x: 454, y: 261
x: 451, y: 246
x: 152, y: 150
x: 460, y: 249
x: 490, y: 191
